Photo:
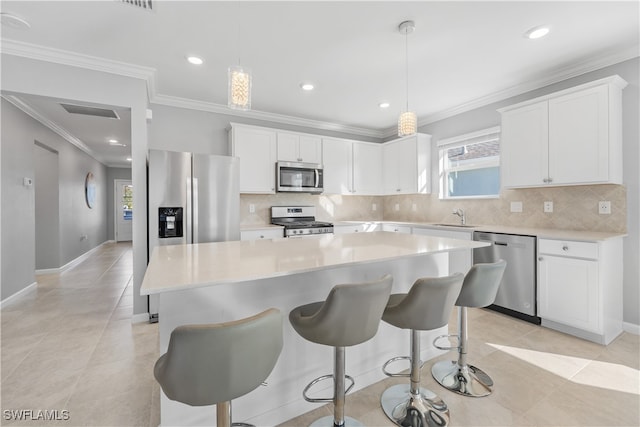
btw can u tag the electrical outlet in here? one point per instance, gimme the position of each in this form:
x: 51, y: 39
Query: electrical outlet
x: 397, y: 207
x: 548, y: 207
x: 374, y: 207
x: 252, y: 208
x: 516, y: 206
x: 604, y: 207
x: 414, y: 207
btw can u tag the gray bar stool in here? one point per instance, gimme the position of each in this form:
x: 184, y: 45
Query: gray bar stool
x: 478, y: 290
x: 216, y: 363
x: 349, y: 316
x: 427, y: 306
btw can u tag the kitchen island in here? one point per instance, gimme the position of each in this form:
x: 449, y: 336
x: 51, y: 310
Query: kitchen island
x: 217, y: 282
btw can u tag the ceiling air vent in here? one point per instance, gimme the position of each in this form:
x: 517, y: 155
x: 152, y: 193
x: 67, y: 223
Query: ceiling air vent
x: 90, y: 111
x: 142, y: 4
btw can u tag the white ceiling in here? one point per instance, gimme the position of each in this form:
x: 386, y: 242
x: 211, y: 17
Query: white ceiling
x: 461, y: 53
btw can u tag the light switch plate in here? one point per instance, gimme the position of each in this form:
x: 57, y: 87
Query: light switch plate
x: 396, y: 207
x: 516, y: 206
x: 548, y: 206
x: 252, y: 208
x: 414, y: 207
x: 604, y: 207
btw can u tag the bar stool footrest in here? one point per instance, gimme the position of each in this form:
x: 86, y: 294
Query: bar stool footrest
x: 450, y: 347
x: 393, y: 360
x: 324, y: 399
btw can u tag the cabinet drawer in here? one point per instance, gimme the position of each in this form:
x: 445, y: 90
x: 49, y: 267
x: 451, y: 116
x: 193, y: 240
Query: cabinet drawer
x: 270, y: 233
x: 568, y: 248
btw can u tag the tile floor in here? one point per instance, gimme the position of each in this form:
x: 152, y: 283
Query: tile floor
x: 71, y: 346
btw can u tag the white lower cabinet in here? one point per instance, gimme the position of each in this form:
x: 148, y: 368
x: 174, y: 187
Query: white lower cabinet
x: 580, y: 287
x: 396, y: 228
x: 358, y: 227
x: 459, y: 261
x: 262, y: 233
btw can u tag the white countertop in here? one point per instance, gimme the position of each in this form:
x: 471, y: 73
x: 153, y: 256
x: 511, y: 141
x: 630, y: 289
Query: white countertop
x: 545, y: 233
x: 179, y: 267
x: 251, y: 227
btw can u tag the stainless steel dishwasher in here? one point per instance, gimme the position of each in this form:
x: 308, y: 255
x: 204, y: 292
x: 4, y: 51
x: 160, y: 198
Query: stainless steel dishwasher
x: 517, y: 292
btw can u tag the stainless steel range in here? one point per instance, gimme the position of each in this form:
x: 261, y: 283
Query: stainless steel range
x: 299, y: 221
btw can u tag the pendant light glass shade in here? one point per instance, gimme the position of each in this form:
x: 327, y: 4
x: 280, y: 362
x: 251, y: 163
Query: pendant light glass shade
x: 239, y: 94
x: 407, y: 123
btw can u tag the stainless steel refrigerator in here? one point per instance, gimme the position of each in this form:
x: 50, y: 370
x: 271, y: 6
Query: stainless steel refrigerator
x: 193, y: 198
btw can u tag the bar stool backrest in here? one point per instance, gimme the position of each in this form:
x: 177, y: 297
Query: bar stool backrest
x: 481, y: 284
x: 208, y: 364
x: 427, y: 305
x: 350, y: 315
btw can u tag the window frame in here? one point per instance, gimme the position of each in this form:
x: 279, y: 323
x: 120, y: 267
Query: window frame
x: 443, y: 145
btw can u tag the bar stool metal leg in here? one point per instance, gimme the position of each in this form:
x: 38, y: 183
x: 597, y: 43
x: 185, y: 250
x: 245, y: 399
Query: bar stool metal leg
x: 339, y: 392
x: 458, y: 376
x: 409, y: 405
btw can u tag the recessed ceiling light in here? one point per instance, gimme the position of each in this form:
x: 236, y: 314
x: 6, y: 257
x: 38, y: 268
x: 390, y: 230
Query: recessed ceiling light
x: 537, y: 32
x: 384, y: 105
x: 306, y: 86
x: 195, y: 60
x: 129, y: 159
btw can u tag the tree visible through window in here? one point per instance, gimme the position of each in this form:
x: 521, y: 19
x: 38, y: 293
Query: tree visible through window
x: 470, y: 165
x: 127, y: 202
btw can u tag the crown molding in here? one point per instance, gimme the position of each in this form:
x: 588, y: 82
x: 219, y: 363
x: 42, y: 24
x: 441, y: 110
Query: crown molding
x: 560, y: 74
x: 74, y: 59
x: 27, y: 109
x: 28, y: 50
x: 174, y: 101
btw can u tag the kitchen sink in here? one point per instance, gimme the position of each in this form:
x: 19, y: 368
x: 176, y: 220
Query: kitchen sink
x: 455, y: 225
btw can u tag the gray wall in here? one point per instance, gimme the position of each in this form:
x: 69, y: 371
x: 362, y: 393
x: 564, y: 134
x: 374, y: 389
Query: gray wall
x: 179, y: 129
x: 487, y: 116
x: 112, y: 174
x: 37, y: 77
x: 47, y: 206
x: 19, y: 132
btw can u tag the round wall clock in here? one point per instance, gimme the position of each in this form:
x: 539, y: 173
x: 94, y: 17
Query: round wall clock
x: 90, y: 190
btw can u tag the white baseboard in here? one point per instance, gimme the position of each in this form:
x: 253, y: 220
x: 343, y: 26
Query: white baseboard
x: 140, y: 318
x: 74, y: 262
x: 21, y: 292
x: 632, y: 328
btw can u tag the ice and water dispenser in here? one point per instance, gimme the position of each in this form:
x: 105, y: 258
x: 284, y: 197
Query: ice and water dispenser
x: 169, y: 222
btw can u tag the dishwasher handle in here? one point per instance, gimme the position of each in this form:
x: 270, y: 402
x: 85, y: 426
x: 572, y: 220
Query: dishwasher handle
x: 501, y: 243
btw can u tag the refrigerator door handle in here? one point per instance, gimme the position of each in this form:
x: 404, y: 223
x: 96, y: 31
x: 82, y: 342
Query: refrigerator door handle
x: 194, y: 238
x: 187, y: 213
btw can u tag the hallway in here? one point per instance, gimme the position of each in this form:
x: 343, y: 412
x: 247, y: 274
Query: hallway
x: 70, y: 345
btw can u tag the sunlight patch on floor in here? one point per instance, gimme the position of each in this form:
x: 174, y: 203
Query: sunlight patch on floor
x: 611, y: 376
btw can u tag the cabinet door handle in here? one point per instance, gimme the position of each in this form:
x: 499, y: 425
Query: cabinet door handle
x: 540, y: 259
x: 261, y: 236
x: 565, y: 248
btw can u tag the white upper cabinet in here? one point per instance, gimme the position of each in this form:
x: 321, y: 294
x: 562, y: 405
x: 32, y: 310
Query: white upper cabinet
x: 338, y: 166
x: 570, y: 137
x: 351, y: 167
x: 367, y: 168
x: 406, y: 168
x: 256, y: 148
x: 296, y: 147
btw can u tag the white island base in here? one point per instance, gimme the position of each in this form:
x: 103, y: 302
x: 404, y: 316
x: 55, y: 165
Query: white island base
x: 301, y: 361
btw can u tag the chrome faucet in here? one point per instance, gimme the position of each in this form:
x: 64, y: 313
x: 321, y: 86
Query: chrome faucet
x: 460, y: 213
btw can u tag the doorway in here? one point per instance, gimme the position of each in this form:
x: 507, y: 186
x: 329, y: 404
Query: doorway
x: 123, y: 210
x: 46, y: 207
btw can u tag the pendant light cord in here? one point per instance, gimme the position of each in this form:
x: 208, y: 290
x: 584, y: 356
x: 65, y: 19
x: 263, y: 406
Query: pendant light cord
x: 406, y: 55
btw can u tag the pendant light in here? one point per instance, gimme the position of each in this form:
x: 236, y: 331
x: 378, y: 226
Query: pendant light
x: 239, y: 87
x: 407, y: 122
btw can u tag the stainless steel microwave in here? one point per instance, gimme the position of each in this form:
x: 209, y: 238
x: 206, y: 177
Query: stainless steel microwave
x: 299, y: 177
